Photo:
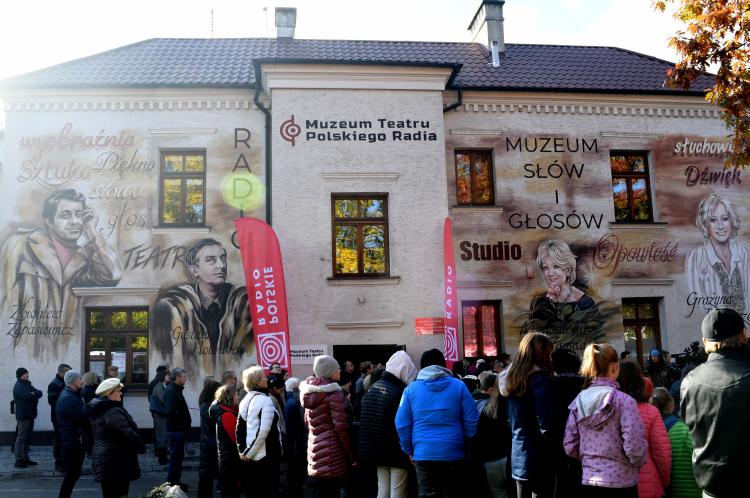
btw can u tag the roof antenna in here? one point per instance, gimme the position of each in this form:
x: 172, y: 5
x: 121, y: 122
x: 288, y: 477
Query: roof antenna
x: 212, y: 23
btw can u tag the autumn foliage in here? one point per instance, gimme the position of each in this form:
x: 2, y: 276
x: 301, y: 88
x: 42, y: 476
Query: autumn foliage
x: 716, y: 34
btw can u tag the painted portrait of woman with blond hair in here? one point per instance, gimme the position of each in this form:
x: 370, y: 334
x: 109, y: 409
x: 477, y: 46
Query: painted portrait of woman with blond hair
x: 563, y: 311
x: 720, y: 267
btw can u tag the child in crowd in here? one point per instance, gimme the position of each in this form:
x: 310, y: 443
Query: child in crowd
x: 605, y: 430
x: 683, y: 479
x: 655, y: 474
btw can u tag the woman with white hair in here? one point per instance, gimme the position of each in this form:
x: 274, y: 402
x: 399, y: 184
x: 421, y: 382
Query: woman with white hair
x: 720, y: 267
x: 258, y: 437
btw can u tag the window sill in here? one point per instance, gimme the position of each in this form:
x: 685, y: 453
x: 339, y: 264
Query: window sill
x: 653, y: 225
x: 484, y: 284
x: 478, y: 209
x: 642, y: 281
x: 166, y: 230
x: 116, y: 291
x: 364, y: 281
x: 363, y: 325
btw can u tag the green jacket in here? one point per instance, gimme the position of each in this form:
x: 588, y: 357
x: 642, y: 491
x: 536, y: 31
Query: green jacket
x: 683, y: 479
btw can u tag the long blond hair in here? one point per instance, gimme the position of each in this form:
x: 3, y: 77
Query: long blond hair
x: 535, y: 349
x: 596, y: 361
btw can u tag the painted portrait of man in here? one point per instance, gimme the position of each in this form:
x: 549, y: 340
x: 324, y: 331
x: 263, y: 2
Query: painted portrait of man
x: 206, y: 322
x: 41, y: 267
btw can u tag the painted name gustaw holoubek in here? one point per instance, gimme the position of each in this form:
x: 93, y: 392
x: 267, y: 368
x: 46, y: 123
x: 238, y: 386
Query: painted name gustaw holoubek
x: 208, y: 319
x: 42, y: 266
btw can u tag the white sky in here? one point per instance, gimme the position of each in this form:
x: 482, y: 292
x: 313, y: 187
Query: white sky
x: 35, y: 34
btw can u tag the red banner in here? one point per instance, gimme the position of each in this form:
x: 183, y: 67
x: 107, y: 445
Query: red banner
x: 264, y: 278
x: 451, y: 298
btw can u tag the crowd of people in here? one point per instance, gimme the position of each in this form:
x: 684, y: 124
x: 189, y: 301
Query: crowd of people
x: 548, y: 424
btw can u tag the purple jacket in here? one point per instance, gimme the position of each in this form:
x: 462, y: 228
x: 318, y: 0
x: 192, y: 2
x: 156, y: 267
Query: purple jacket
x: 605, y: 431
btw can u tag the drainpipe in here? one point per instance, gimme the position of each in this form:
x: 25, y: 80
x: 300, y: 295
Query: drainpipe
x: 268, y: 153
x: 460, y: 101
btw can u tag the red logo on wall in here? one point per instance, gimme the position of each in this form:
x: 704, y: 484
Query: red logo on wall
x: 289, y: 131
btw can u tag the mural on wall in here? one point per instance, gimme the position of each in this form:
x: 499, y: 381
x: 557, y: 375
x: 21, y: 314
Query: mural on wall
x: 41, y: 267
x: 207, y: 321
x: 718, y: 271
x: 564, y: 311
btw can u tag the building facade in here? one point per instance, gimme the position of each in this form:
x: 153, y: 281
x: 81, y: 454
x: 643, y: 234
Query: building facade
x: 573, y: 179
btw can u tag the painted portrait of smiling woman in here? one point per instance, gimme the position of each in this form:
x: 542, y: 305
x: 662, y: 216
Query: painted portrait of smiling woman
x: 720, y: 267
x: 564, y: 311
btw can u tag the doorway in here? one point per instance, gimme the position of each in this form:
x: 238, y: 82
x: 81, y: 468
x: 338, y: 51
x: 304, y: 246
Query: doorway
x: 357, y: 354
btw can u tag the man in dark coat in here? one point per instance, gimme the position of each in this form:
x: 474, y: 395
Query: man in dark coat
x: 658, y: 372
x: 75, y: 430
x: 714, y: 406
x: 26, y: 398
x: 53, y: 393
x: 379, y: 440
x: 178, y: 425
x: 296, y: 440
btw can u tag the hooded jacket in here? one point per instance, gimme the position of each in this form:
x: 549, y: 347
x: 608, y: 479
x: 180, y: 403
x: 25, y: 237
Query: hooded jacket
x: 606, y: 433
x: 532, y: 422
x: 714, y: 405
x: 437, y: 417
x: 116, y: 442
x: 72, y: 422
x: 258, y: 433
x: 329, y: 446
x: 660, y: 374
x: 26, y: 398
x: 655, y: 475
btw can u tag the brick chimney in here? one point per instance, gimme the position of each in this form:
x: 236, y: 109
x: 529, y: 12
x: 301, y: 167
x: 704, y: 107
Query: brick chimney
x: 286, y: 21
x: 489, y: 19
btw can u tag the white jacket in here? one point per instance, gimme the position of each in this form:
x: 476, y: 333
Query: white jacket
x: 257, y: 411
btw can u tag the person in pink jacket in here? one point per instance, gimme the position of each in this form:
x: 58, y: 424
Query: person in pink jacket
x: 605, y: 430
x: 655, y: 475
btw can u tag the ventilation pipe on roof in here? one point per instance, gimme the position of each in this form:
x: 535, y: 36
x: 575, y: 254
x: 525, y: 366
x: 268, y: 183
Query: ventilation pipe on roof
x: 286, y: 21
x: 489, y: 18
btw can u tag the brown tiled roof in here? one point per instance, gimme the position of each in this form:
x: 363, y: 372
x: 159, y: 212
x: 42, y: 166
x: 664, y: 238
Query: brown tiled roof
x: 229, y: 62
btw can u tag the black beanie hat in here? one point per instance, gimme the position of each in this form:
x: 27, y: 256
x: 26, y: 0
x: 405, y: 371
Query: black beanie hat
x: 566, y: 361
x: 432, y: 357
x: 21, y: 372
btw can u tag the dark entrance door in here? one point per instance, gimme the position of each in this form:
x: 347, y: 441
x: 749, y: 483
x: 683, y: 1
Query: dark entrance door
x: 359, y: 353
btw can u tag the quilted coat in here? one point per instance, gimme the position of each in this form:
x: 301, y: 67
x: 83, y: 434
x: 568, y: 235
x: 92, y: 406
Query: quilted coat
x: 378, y: 438
x: 329, y: 446
x: 72, y: 423
x: 116, y: 442
x: 209, y: 458
x: 683, y: 478
x: 258, y: 434
x: 605, y: 431
x: 655, y: 474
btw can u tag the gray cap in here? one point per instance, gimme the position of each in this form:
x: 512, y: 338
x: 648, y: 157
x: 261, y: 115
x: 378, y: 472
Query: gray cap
x: 325, y: 367
x: 71, y: 376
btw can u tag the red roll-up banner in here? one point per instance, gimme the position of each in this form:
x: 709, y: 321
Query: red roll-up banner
x: 451, y: 297
x: 264, y: 278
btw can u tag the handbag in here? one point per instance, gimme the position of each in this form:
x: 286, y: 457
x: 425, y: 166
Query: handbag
x: 155, y: 406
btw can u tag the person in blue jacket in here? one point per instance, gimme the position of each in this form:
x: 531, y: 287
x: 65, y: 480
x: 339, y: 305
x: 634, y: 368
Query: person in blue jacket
x: 75, y: 430
x: 530, y: 397
x: 436, y: 420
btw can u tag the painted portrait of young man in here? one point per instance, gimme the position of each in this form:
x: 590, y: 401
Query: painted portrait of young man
x: 42, y: 266
x: 206, y: 322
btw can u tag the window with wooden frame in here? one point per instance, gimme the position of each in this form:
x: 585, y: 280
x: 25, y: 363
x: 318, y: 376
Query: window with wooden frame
x: 631, y: 186
x: 182, y: 184
x: 360, y: 235
x: 481, y: 327
x: 119, y: 337
x: 640, y: 319
x: 475, y: 179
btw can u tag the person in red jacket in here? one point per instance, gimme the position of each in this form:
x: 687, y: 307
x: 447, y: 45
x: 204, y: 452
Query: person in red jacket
x: 329, y: 449
x: 655, y: 475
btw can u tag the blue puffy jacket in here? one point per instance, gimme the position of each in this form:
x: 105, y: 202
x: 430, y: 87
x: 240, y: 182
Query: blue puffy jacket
x: 72, y: 422
x: 532, y: 422
x: 437, y: 417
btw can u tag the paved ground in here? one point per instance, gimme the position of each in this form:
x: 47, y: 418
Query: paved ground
x: 46, y: 463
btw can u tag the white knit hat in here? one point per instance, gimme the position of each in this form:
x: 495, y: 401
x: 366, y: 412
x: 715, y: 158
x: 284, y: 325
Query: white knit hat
x: 325, y: 366
x: 108, y: 386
